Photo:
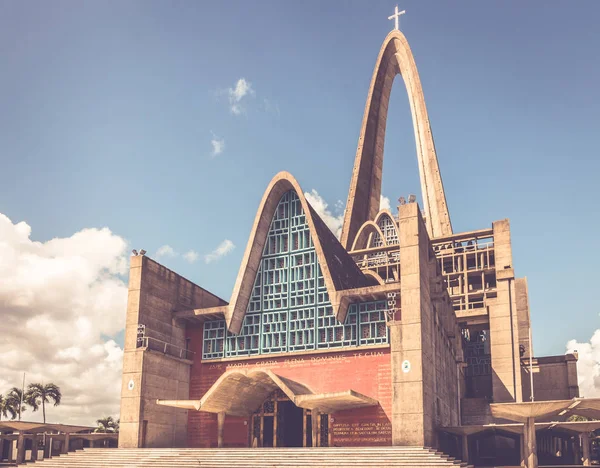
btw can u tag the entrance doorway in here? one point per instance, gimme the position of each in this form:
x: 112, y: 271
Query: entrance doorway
x: 280, y: 423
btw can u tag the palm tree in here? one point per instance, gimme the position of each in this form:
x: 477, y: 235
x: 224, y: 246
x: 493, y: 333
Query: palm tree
x: 6, y: 408
x: 107, y: 424
x: 14, y: 401
x: 39, y: 393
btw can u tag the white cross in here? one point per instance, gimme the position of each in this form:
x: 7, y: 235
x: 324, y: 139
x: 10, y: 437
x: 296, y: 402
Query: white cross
x: 396, y: 17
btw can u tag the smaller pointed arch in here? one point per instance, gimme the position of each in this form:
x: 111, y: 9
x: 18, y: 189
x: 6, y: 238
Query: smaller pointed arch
x: 388, y: 226
x: 364, y: 238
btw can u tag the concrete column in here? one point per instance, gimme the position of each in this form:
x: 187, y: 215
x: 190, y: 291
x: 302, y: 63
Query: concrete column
x: 48, y: 447
x: 1, y: 446
x: 531, y: 445
x: 413, y: 368
x: 522, y: 445
x: 65, y: 444
x: 10, y: 450
x: 92, y: 443
x: 504, y: 323
x: 34, y: 447
x: 465, y: 448
x: 21, y: 448
x: 315, y: 427
x: 585, y: 444
x: 220, y: 429
x: 576, y: 451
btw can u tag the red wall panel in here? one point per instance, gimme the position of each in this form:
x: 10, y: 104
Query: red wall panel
x: 363, y: 370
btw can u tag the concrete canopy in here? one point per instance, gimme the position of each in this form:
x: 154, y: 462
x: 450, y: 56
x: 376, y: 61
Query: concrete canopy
x: 241, y: 392
x: 514, y: 428
x: 589, y: 407
x: 35, y: 428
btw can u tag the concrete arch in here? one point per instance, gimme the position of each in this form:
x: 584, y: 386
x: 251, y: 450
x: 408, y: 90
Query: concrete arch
x: 362, y: 237
x: 377, y: 278
x: 388, y: 214
x: 395, y: 58
x: 339, y: 270
x: 241, y: 392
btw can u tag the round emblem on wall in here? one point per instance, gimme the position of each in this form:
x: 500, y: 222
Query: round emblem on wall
x: 131, y: 384
x: 406, y: 366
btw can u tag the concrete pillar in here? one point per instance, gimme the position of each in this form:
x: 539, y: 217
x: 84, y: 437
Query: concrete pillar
x: 1, y: 446
x: 10, y: 450
x: 34, y: 447
x: 576, y: 451
x: 504, y: 323
x: 315, y: 427
x: 48, y: 447
x: 220, y: 428
x: 522, y: 445
x: 465, y: 448
x: 92, y: 443
x: 413, y: 368
x: 65, y: 444
x: 21, y: 448
x: 585, y: 444
x: 531, y: 445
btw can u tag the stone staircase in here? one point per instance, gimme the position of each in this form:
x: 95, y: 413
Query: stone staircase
x: 339, y: 457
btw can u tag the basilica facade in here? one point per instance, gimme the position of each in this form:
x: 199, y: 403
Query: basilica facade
x: 400, y: 332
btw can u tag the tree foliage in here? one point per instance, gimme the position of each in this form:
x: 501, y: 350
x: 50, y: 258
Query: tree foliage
x: 39, y: 394
x: 107, y: 425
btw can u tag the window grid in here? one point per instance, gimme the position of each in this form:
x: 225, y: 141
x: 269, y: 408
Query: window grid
x: 302, y: 279
x: 333, y: 334
x: 274, y: 332
x: 289, y: 308
x: 302, y: 329
x: 275, y: 283
x: 376, y: 240
x: 247, y: 342
x: 388, y: 228
x: 372, y: 326
x: 214, y: 339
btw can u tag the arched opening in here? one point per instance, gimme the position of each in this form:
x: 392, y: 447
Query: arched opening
x: 278, y: 422
x: 400, y: 174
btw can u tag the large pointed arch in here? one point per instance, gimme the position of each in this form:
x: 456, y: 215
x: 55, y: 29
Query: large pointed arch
x: 339, y: 270
x: 395, y: 58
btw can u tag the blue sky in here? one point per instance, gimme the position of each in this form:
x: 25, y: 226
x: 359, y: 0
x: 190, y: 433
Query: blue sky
x: 108, y: 110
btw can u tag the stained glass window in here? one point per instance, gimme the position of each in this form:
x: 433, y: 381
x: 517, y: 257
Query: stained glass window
x: 289, y: 309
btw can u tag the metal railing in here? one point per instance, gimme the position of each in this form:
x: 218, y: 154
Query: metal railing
x: 163, y: 347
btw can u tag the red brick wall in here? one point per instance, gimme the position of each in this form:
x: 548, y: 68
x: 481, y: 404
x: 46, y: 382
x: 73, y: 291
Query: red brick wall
x: 360, y: 369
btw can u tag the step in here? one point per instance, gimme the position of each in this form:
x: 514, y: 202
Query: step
x: 325, y: 457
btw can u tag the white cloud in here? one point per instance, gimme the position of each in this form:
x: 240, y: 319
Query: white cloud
x: 165, y: 251
x: 384, y: 203
x: 588, y: 365
x: 334, y: 220
x: 242, y: 89
x: 191, y: 256
x: 59, y: 300
x: 223, y: 249
x: 218, y: 145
